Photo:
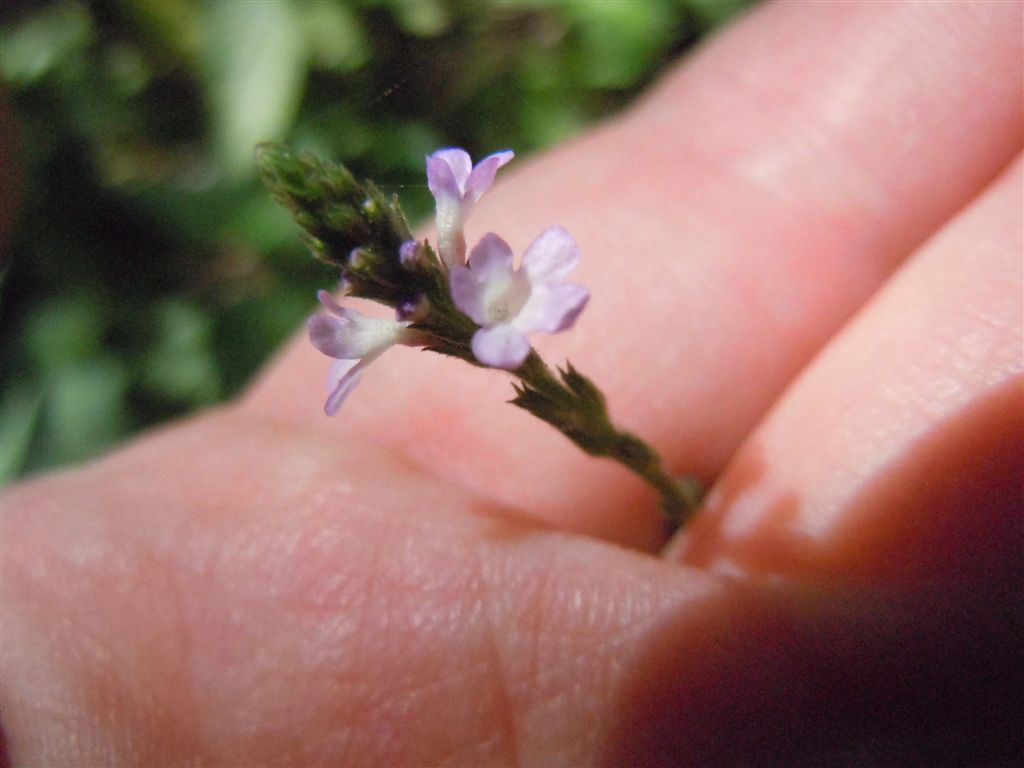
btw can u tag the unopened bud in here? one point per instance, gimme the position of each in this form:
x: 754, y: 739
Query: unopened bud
x: 411, y: 253
x: 413, y: 310
x: 358, y: 258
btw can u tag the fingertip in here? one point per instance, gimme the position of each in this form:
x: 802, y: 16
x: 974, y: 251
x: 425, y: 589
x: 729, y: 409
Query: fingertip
x: 896, y: 456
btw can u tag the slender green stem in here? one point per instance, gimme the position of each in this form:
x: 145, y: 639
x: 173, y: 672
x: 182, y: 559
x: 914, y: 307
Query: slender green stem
x: 573, y: 404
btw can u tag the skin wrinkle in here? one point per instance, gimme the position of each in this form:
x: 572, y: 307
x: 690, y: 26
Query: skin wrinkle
x: 558, y: 647
x: 389, y: 625
x: 255, y: 557
x: 215, y: 658
x: 179, y: 654
x: 65, y: 712
x: 94, y: 659
x: 370, y: 659
x: 354, y: 596
x: 577, y: 637
x: 474, y: 641
x: 516, y: 655
x: 508, y: 723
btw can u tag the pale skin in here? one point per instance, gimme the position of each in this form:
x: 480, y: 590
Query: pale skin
x: 804, y: 248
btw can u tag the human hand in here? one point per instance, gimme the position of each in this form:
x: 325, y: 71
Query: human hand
x: 420, y: 581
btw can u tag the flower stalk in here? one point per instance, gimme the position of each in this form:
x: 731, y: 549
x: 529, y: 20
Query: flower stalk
x: 479, y: 311
x: 573, y: 405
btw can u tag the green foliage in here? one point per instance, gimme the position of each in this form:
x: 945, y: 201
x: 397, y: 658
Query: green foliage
x: 149, y: 273
x: 253, y: 65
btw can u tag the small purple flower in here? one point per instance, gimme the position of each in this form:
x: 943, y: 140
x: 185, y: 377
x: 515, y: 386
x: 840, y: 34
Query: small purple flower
x: 456, y: 185
x: 509, y: 303
x: 356, y: 340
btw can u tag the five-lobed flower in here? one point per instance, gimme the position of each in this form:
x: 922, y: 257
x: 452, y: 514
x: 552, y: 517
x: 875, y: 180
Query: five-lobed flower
x: 508, y: 304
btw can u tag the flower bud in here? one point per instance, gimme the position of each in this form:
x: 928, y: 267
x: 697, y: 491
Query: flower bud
x: 358, y: 258
x: 412, y: 253
x: 413, y: 310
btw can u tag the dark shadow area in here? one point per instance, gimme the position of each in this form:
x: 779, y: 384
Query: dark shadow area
x: 786, y: 675
x: 895, y: 643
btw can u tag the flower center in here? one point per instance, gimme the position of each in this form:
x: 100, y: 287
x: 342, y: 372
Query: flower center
x: 504, y: 298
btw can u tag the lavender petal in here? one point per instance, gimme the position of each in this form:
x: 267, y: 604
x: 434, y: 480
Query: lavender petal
x: 441, y: 180
x: 491, y: 259
x: 467, y: 293
x: 552, y: 256
x: 342, y: 379
x: 448, y: 170
x: 501, y: 346
x: 331, y: 335
x: 482, y: 176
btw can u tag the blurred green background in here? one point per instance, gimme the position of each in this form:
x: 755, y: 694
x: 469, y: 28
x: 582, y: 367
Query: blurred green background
x: 146, y: 272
